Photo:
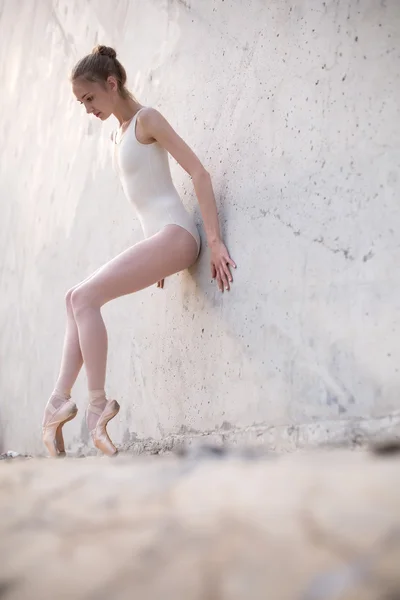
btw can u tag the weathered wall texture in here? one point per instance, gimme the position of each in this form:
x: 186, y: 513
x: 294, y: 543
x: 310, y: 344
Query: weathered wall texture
x: 294, y: 108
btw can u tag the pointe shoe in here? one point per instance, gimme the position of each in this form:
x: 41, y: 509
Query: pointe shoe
x: 99, y: 434
x: 52, y: 431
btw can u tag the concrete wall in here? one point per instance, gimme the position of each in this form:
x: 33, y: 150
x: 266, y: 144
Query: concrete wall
x: 293, y: 106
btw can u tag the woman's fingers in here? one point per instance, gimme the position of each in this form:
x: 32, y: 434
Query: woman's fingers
x: 227, y: 271
x: 223, y: 278
x: 219, y: 282
x: 221, y: 271
x: 215, y: 275
x: 231, y: 262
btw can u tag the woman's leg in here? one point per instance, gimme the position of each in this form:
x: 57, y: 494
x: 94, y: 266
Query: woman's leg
x: 71, y: 364
x: 169, y: 251
x: 72, y: 359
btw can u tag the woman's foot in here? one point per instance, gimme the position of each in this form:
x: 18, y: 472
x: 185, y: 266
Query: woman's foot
x: 59, y: 410
x: 99, y: 412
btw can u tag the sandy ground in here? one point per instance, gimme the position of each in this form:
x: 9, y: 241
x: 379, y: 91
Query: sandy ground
x: 209, y: 526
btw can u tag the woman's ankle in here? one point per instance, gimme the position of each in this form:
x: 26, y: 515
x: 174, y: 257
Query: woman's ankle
x: 57, y: 399
x: 97, y: 397
x: 97, y: 403
x: 61, y: 392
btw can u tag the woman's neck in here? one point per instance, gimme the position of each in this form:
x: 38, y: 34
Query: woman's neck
x: 125, y: 109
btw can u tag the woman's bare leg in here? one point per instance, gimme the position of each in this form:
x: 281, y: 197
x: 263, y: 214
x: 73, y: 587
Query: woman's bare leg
x: 169, y: 251
x: 72, y: 359
x: 71, y: 362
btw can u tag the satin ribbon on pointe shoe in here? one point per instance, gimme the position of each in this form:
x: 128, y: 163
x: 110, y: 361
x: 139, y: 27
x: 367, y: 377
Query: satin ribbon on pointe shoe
x: 99, y: 434
x: 52, y: 431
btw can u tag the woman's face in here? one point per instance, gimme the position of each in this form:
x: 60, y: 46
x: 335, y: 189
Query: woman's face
x: 98, y: 99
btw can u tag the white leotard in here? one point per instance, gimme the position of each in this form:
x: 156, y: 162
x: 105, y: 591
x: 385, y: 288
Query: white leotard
x: 146, y: 180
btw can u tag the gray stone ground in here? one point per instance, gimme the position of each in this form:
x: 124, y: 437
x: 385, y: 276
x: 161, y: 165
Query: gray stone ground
x: 206, y: 526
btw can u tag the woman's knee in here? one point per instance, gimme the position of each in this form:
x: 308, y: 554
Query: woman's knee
x: 68, y: 297
x: 78, y: 301
x: 82, y: 298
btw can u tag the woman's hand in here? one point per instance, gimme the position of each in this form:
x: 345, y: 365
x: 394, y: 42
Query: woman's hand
x: 220, y: 265
x: 160, y: 284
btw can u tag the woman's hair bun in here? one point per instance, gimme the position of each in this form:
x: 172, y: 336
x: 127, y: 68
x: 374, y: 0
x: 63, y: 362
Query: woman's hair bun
x: 105, y: 51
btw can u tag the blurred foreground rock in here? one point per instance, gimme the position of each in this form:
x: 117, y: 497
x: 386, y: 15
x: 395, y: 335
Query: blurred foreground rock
x: 320, y: 526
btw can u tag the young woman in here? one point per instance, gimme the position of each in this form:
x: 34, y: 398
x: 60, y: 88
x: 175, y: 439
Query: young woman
x: 171, y: 243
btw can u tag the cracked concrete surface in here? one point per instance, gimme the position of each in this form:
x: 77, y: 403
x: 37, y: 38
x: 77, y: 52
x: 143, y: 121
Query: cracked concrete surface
x: 320, y: 526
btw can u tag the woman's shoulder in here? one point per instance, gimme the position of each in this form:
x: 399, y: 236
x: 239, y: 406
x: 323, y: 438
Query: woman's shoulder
x: 147, y: 112
x: 151, y: 118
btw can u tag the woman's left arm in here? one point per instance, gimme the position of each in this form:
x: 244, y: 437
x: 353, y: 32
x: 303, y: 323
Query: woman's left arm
x: 158, y: 128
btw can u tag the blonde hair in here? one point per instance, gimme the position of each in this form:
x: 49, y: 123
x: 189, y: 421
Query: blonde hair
x: 99, y: 65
